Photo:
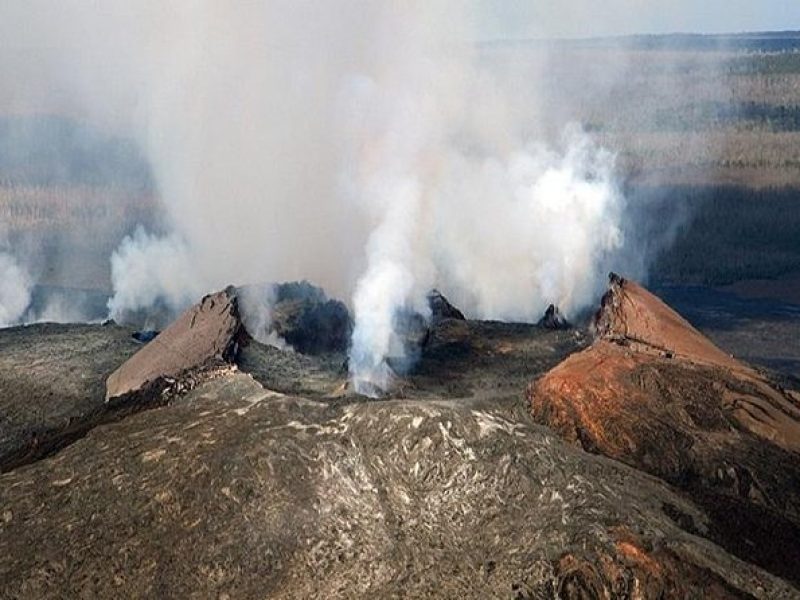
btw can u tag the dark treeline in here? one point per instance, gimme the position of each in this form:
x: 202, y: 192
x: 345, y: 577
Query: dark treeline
x: 709, y: 115
x: 771, y: 42
x: 722, y: 233
x: 755, y: 43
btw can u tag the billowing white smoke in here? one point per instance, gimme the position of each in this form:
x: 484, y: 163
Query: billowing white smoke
x: 390, y: 284
x: 364, y: 149
x: 541, y: 227
x: 148, y: 269
x: 256, y: 303
x: 396, y: 123
x: 15, y: 290
x: 502, y: 238
x: 502, y: 225
x: 359, y: 145
x: 58, y: 309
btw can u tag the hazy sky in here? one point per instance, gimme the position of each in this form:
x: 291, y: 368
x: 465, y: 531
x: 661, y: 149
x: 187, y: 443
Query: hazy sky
x: 588, y: 18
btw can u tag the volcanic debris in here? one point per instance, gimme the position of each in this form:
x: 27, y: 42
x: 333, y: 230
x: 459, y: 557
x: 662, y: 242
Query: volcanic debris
x: 238, y: 487
x: 308, y: 320
x: 441, y: 307
x: 553, y: 319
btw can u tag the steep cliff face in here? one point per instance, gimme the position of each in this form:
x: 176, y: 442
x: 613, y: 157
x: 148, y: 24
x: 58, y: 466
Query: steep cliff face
x: 652, y: 392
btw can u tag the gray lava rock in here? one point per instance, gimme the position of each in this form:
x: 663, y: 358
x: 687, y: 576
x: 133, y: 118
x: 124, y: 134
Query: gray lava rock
x: 239, y: 492
x: 53, y: 376
x: 445, y: 488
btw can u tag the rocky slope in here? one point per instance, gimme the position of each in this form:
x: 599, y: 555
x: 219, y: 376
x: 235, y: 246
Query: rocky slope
x: 280, y: 482
x: 206, y: 334
x: 52, y: 379
x: 652, y: 392
x: 234, y: 491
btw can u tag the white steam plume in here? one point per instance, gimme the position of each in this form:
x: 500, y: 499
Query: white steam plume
x: 396, y: 125
x: 15, y: 290
x: 256, y: 303
x: 540, y: 227
x: 503, y: 226
x: 148, y: 269
x: 362, y: 146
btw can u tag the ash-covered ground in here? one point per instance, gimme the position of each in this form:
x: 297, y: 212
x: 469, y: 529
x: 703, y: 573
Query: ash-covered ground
x: 202, y: 463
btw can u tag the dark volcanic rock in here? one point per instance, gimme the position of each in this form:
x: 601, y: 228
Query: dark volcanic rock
x: 227, y: 489
x: 58, y: 382
x: 323, y: 376
x: 415, y: 330
x: 206, y: 333
x: 303, y: 316
x: 148, y: 335
x: 441, y: 307
x: 487, y: 358
x: 314, y: 328
x: 299, y: 290
x: 243, y: 493
x: 51, y: 377
x: 654, y: 393
x: 553, y: 319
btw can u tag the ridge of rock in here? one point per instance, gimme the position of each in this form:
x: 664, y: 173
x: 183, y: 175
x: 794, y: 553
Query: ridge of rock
x: 207, y: 332
x: 630, y: 314
x: 653, y: 392
x: 244, y: 493
x: 441, y: 308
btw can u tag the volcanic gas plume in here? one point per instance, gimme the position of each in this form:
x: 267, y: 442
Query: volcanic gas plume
x: 360, y: 146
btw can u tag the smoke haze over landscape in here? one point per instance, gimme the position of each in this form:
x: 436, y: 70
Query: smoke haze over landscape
x: 399, y: 299
x: 368, y: 148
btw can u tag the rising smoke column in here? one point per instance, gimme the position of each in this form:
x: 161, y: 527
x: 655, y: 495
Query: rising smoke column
x: 364, y: 149
x: 462, y: 202
x: 148, y: 269
x: 15, y: 290
x: 541, y: 226
x: 397, y: 119
x: 506, y: 238
x: 362, y: 146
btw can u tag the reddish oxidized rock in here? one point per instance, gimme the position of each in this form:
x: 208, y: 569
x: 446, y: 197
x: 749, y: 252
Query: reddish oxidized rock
x: 653, y: 392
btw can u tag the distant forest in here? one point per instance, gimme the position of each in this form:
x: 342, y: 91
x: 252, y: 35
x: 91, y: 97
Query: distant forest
x: 724, y: 233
